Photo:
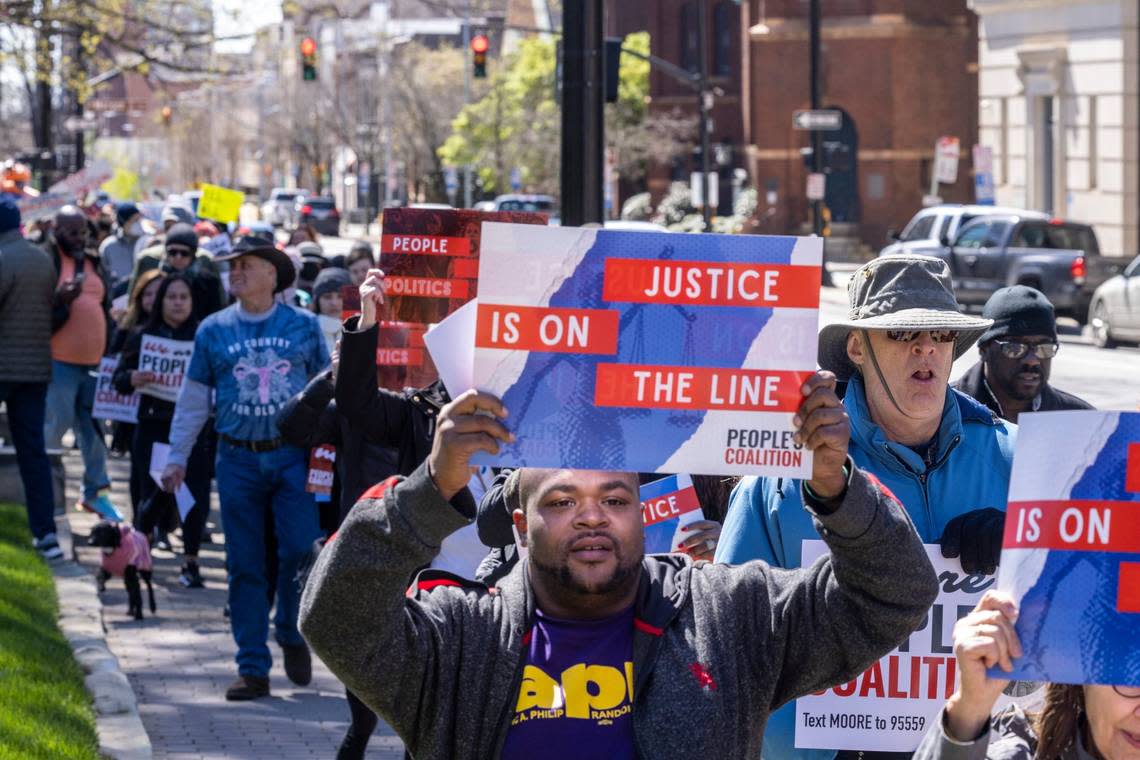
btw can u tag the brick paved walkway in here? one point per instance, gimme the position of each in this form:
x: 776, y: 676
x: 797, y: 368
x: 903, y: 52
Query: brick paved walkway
x: 181, y: 661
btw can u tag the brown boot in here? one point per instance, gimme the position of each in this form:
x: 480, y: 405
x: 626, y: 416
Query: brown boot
x: 246, y: 688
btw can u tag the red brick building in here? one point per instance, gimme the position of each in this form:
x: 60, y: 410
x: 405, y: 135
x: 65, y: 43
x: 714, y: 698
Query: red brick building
x: 904, y: 72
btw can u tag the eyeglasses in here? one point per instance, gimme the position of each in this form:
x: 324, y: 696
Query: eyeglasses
x: 173, y: 252
x: 1128, y: 692
x: 938, y: 336
x: 1015, y: 349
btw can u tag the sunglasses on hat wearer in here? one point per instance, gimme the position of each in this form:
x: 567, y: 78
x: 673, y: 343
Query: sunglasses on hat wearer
x: 938, y: 336
x: 179, y: 251
x: 1015, y: 349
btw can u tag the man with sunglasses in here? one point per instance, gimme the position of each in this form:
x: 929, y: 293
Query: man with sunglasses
x: 1017, y: 353
x: 945, y: 456
x: 180, y: 250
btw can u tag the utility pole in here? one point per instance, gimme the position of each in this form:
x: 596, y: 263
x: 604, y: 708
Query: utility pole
x: 583, y: 98
x: 467, y: 196
x: 817, y: 135
x: 704, y: 106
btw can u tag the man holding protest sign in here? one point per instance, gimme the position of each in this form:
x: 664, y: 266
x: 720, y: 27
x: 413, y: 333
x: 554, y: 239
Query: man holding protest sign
x: 944, y: 455
x: 255, y: 355
x: 589, y: 648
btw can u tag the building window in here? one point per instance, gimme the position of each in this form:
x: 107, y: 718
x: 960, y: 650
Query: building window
x: 724, y: 29
x: 690, y: 42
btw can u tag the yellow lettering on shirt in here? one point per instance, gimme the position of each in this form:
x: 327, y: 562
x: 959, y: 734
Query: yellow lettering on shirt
x: 583, y: 691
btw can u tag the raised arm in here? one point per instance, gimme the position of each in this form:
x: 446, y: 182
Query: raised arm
x: 354, y: 612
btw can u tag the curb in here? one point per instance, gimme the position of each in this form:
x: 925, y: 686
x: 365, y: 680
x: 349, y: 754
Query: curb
x: 122, y: 735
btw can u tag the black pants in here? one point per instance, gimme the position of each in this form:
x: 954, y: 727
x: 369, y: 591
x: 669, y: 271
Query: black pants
x: 148, y: 433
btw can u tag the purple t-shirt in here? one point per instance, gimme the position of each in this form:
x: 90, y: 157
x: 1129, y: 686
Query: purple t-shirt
x: 576, y: 697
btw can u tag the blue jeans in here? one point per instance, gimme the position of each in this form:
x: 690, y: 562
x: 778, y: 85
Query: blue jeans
x: 25, y: 403
x: 249, y: 485
x: 70, y: 398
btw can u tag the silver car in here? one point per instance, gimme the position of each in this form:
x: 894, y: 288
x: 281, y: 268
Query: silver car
x: 1114, y: 313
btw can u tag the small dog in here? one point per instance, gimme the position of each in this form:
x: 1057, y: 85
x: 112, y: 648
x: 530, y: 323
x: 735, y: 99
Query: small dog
x: 126, y: 554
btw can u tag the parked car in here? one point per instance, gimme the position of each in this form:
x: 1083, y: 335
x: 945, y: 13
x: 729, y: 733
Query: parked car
x: 280, y: 209
x: 633, y: 226
x: 932, y: 228
x: 1114, y: 314
x: 318, y: 211
x: 1060, y: 258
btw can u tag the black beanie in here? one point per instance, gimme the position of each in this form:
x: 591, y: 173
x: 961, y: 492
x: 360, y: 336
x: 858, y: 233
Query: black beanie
x: 330, y: 280
x: 182, y: 234
x: 1017, y: 312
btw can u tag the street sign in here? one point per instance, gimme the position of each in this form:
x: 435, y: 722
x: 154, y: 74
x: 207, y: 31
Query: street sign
x: 77, y: 124
x: 516, y: 179
x: 983, y: 175
x: 820, y: 120
x: 816, y: 186
x: 946, y: 160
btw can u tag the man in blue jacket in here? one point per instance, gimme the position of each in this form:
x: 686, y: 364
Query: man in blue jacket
x: 944, y: 455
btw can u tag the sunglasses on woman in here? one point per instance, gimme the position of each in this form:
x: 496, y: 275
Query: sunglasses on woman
x: 1015, y: 349
x: 938, y: 336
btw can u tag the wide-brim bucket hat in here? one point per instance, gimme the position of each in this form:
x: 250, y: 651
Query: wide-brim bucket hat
x: 898, y: 293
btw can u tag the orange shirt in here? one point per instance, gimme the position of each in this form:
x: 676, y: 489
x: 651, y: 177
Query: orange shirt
x: 83, y: 337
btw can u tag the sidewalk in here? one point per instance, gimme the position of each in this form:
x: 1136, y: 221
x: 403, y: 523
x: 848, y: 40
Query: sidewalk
x: 180, y: 662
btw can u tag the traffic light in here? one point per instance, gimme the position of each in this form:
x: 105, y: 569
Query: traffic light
x: 308, y: 59
x: 479, y: 45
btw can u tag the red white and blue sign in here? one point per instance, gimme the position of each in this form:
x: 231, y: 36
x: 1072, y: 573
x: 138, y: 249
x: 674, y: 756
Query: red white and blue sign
x: 1071, y: 551
x: 667, y: 505
x: 646, y: 351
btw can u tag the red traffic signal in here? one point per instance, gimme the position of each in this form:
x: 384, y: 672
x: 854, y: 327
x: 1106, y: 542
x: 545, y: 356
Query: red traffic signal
x: 480, y: 43
x: 308, y: 47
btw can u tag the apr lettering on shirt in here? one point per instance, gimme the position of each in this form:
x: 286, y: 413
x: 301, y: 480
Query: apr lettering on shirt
x: 582, y: 692
x: 576, y: 695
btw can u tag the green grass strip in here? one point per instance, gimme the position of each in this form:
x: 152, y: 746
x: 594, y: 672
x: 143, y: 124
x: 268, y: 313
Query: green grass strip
x: 44, y: 710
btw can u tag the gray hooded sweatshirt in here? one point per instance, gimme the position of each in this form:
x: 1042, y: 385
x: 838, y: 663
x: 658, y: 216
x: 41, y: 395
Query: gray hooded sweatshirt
x: 442, y: 662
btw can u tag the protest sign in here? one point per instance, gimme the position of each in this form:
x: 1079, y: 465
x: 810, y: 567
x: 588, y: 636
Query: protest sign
x: 891, y: 705
x: 83, y: 181
x: 645, y: 351
x: 168, y: 360
x: 451, y: 344
x: 1071, y: 550
x: 322, y: 460
x: 667, y: 505
x: 220, y: 203
x: 431, y: 261
x: 159, y: 454
x: 109, y: 403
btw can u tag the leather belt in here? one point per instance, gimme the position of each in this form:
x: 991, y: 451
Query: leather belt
x: 257, y: 447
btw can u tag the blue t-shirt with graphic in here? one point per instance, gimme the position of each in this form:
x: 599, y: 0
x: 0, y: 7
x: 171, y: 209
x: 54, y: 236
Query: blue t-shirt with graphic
x: 576, y: 697
x: 255, y: 366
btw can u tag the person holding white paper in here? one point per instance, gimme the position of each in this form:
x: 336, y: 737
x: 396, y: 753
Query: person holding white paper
x: 172, y: 317
x: 1076, y: 723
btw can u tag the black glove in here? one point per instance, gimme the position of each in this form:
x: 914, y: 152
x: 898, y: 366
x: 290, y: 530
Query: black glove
x: 976, y: 536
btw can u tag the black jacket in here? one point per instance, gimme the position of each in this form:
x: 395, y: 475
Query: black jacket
x: 404, y: 421
x: 973, y: 384
x: 312, y: 418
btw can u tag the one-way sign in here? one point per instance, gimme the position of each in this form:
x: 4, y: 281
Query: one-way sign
x: 822, y: 120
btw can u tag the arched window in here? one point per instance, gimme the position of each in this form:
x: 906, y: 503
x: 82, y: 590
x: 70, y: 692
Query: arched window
x: 724, y: 30
x: 690, y: 46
